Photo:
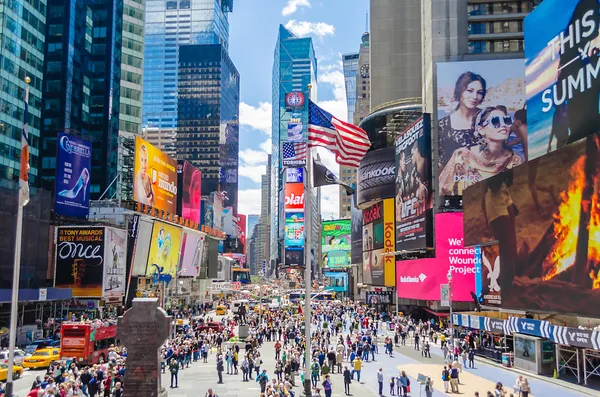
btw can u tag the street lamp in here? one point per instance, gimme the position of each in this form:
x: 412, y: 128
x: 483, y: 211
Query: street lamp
x: 449, y: 277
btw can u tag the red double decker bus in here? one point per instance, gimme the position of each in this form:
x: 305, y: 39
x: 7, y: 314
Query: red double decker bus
x: 86, y: 343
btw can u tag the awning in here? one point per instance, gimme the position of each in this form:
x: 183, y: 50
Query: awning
x: 439, y: 314
x: 37, y: 295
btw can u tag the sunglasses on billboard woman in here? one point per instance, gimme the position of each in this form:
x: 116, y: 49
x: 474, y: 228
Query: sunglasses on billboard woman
x: 498, y: 122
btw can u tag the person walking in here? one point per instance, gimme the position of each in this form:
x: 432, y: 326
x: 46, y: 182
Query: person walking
x: 220, y: 368
x: 327, y: 385
x: 454, y: 379
x: 314, y: 372
x: 262, y: 380
x: 380, y: 381
x: 357, y: 367
x: 446, y: 378
x: 404, y: 383
x: 525, y: 388
x: 347, y: 380
x: 392, y: 385
x: 174, y: 369
x: 244, y: 366
x: 471, y: 358
x: 429, y: 387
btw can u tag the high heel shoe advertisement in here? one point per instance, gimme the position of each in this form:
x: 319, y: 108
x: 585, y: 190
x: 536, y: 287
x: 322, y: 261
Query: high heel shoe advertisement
x: 73, y: 176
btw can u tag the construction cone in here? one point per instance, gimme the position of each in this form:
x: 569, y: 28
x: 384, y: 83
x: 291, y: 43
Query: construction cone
x: 555, y: 374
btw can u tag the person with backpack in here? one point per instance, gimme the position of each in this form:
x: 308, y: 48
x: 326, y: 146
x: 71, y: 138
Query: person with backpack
x: 262, y: 380
x: 315, y: 370
x: 446, y: 378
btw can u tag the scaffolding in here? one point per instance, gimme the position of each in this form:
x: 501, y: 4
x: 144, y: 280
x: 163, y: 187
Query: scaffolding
x: 591, y: 364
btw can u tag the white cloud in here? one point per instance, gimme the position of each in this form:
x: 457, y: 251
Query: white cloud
x: 249, y: 201
x: 293, y: 5
x: 267, y: 146
x: 258, y: 117
x: 337, y: 106
x: 253, y: 157
x: 304, y: 28
x: 253, y: 172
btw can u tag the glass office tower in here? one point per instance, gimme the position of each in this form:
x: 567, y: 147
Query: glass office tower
x: 208, y: 117
x: 22, y: 54
x: 294, y: 68
x: 350, y: 65
x: 169, y: 24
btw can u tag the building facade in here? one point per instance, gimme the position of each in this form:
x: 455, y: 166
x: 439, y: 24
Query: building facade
x: 22, y: 48
x: 208, y: 117
x: 252, y: 222
x: 168, y: 25
x: 82, y: 84
x: 350, y: 67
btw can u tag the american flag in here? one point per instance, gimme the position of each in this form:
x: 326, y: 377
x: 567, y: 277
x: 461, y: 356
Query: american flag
x: 348, y: 142
x: 24, y: 172
x: 294, y: 152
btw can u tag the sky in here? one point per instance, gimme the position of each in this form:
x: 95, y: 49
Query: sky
x: 336, y: 27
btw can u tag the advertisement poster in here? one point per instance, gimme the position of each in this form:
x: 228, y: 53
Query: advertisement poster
x: 562, y: 81
x: 389, y: 261
x: 294, y: 232
x: 294, y: 258
x: 356, y: 236
x: 482, y: 121
x: 80, y: 260
x: 488, y: 257
x: 373, y: 236
x: 376, y: 175
x: 294, y: 175
x: 241, y: 230
x: 544, y: 216
x: 73, y: 166
x: 336, y: 244
x: 414, y: 194
x: 336, y: 281
x: 164, y: 249
x: 155, y: 181
x: 421, y: 278
x: 294, y: 197
x: 376, y: 298
x: 115, y: 257
x: 293, y: 154
x: 192, y: 249
x: 294, y: 132
x: 190, y: 193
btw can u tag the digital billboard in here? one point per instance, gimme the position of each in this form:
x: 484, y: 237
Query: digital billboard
x: 163, y: 257
x: 373, y: 240
x: 73, y: 167
x: 482, y: 121
x: 80, y: 260
x: 414, y: 194
x: 155, y: 181
x: 336, y: 281
x: 294, y: 175
x: 356, y: 236
x: 336, y: 243
x: 294, y: 257
x: 294, y: 197
x: 389, y: 261
x: 562, y: 61
x: 487, y: 281
x: 192, y: 249
x: 545, y: 217
x: 189, y: 199
x: 241, y: 230
x: 376, y: 175
x: 421, y: 278
x: 115, y: 262
x: 294, y: 232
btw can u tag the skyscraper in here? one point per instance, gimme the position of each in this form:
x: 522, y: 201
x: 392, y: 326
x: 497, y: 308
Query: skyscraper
x: 208, y: 112
x: 294, y: 68
x: 82, y: 79
x: 22, y: 53
x: 252, y: 222
x: 350, y: 65
x: 170, y: 24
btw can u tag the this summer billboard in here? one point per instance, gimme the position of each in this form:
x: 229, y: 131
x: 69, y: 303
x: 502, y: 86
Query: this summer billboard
x: 73, y: 167
x: 545, y: 217
x: 482, y: 122
x: 336, y: 243
x: 164, y: 249
x: 562, y: 72
x: 414, y: 195
x: 155, y: 181
x: 80, y: 260
x: 189, y: 199
x: 115, y: 262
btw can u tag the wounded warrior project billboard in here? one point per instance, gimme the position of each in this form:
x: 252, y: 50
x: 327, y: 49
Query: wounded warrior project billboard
x: 414, y: 196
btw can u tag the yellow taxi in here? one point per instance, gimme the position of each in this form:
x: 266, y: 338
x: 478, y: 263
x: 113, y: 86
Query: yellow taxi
x: 42, y: 358
x: 221, y: 310
x: 17, y: 372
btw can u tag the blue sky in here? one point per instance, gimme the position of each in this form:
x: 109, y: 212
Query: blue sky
x: 336, y: 27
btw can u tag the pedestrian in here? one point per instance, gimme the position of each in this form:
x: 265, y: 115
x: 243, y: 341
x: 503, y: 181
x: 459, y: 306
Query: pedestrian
x: 327, y: 386
x: 174, y: 369
x: 314, y: 372
x: 244, y: 366
x: 404, y: 383
x: 210, y: 393
x: 220, y: 368
x: 357, y: 367
x: 380, y: 381
x: 392, y: 385
x: 525, y: 388
x: 499, y: 390
x: 454, y: 379
x: 347, y: 380
x: 262, y: 380
x: 429, y: 387
x: 471, y: 358
x: 446, y: 378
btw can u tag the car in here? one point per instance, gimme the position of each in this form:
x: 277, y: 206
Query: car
x: 42, y: 358
x: 211, y: 325
x: 17, y: 372
x: 41, y: 344
x: 221, y: 310
x: 19, y: 356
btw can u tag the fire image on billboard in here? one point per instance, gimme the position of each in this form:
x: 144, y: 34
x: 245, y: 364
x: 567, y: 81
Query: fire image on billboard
x: 545, y: 216
x: 414, y: 195
x: 482, y: 121
x: 73, y: 167
x: 335, y: 243
x: 163, y: 257
x: 563, y: 83
x: 189, y: 199
x: 373, y: 236
x: 155, y: 180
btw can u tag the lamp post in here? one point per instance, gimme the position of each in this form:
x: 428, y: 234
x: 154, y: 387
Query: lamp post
x: 449, y: 277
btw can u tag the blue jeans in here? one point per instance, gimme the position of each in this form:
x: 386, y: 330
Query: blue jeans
x: 314, y: 379
x: 84, y: 389
x: 174, y: 376
x: 357, y: 372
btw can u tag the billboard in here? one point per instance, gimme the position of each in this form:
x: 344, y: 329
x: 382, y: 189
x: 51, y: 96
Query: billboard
x: 295, y: 131
x: 80, y: 260
x: 73, y: 167
x: 562, y: 80
x: 376, y: 175
x: 163, y: 257
x: 115, y: 257
x: 294, y: 175
x: 356, y: 236
x: 545, y: 217
x: 421, y: 278
x: 336, y: 243
x: 487, y: 259
x: 189, y: 199
x: 336, y: 281
x: 414, y: 194
x: 477, y: 138
x: 294, y: 197
x: 294, y: 257
x: 155, y: 181
x: 389, y: 261
x: 241, y: 231
x: 372, y: 241
x: 192, y: 249
x: 294, y: 229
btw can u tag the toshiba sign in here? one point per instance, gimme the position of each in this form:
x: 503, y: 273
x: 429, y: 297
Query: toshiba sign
x: 294, y: 196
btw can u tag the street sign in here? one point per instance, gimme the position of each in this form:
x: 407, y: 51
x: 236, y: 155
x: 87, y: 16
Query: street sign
x: 422, y: 379
x: 445, y: 295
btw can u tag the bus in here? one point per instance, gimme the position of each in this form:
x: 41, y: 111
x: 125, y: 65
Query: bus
x: 85, y: 343
x: 240, y: 274
x: 298, y: 296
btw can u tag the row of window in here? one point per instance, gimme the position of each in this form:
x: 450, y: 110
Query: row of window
x: 19, y: 51
x: 504, y: 7
x: 496, y: 27
x: 480, y: 46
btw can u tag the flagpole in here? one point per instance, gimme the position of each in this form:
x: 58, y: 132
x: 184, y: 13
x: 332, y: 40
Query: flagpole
x: 14, y: 303
x: 307, y: 268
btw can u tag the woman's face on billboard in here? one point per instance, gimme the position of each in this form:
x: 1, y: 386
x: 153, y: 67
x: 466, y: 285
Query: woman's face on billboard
x: 472, y: 96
